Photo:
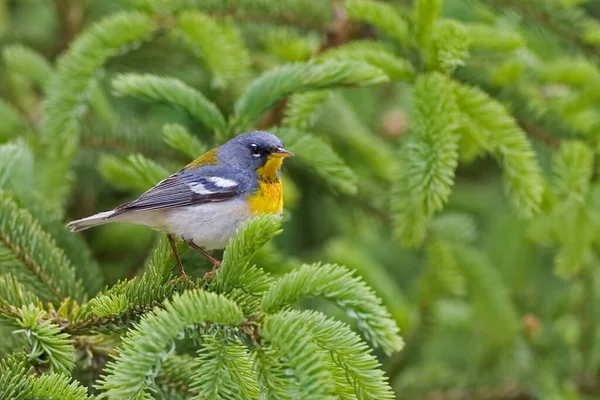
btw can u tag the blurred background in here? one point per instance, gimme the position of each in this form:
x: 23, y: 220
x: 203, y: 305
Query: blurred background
x: 492, y: 305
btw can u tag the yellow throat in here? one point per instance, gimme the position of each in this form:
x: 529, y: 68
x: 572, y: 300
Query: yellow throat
x: 268, y: 199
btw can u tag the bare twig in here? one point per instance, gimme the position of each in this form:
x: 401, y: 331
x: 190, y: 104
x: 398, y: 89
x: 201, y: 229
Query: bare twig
x: 341, y: 30
x: 510, y: 391
x: 286, y: 18
x: 589, y: 385
x: 538, y: 133
x: 70, y: 18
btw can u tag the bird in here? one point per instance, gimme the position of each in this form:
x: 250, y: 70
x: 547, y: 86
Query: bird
x: 205, y: 202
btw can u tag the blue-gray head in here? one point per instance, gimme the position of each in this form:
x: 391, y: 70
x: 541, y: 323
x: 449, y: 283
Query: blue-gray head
x: 257, y: 151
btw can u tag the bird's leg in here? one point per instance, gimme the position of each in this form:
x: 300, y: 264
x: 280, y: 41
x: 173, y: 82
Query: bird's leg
x: 208, y: 276
x: 200, y: 250
x: 176, y: 255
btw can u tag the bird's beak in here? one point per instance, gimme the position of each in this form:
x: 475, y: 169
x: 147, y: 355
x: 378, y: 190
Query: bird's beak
x: 280, y: 152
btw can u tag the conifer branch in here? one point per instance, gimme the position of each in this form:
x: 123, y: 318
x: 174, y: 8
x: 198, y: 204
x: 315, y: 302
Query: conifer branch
x: 178, y: 137
x: 376, y: 54
x: 68, y: 89
x: 302, y: 109
x: 286, y: 18
x: 219, y: 44
x: 35, y: 248
x: 31, y: 265
x: 176, y: 374
x: 13, y: 122
x: 223, y: 369
x: 502, y: 136
x: 16, y: 382
x: 572, y: 173
x: 483, y: 36
x: 251, y: 343
x: 244, y: 282
x: 274, y: 85
x: 271, y: 375
x: 17, y: 177
x: 569, y: 21
x: 490, y: 297
x: 27, y: 62
x: 303, y: 14
x: 121, y: 145
x: 376, y: 275
x: 121, y: 305
x: 338, y: 34
x: 426, y: 14
x: 428, y: 158
x: 350, y: 293
x: 14, y: 373
x: 350, y: 135
x: 289, y: 335
x: 58, y: 386
x: 136, y: 173
x: 47, y: 341
x: 319, y: 157
x: 130, y: 374
x: 541, y: 125
x: 108, y: 323
x: 174, y: 92
x: 449, y: 46
x: 13, y: 295
x: 361, y: 369
x: 383, y: 16
x: 442, y: 268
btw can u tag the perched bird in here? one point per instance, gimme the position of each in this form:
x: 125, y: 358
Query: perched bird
x: 205, y: 202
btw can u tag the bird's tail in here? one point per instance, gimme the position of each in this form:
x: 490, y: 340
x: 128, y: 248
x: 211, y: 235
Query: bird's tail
x: 91, y: 221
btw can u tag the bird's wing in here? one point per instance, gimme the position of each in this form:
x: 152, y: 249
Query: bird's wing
x: 186, y: 188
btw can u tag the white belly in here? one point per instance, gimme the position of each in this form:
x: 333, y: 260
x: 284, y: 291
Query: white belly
x: 209, y: 225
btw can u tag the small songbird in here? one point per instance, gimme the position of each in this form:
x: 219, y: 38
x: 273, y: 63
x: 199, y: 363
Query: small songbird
x: 204, y: 203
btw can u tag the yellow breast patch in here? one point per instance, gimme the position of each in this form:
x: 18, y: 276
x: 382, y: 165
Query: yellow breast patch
x: 268, y: 199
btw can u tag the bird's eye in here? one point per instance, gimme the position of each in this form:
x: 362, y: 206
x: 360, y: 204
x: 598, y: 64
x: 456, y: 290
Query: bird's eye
x: 255, y: 150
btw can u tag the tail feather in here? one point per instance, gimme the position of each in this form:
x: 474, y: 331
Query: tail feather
x: 91, y: 221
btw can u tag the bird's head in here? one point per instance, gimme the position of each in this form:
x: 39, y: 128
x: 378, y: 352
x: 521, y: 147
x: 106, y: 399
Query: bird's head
x: 258, y: 151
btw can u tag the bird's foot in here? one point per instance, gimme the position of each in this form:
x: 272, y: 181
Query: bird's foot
x: 210, y: 274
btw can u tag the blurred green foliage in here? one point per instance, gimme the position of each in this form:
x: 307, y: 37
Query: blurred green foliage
x: 446, y: 154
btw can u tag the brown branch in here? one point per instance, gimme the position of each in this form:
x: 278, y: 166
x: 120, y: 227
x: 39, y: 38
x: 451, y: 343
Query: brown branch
x: 103, y: 324
x: 285, y: 18
x: 274, y: 116
x: 539, y: 133
x: 70, y: 20
x: 341, y: 30
x: 589, y: 385
x: 507, y: 392
x: 123, y: 320
x: 115, y: 144
x: 121, y: 145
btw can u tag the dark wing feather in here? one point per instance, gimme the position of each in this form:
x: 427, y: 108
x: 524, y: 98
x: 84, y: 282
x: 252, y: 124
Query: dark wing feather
x: 178, y: 191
